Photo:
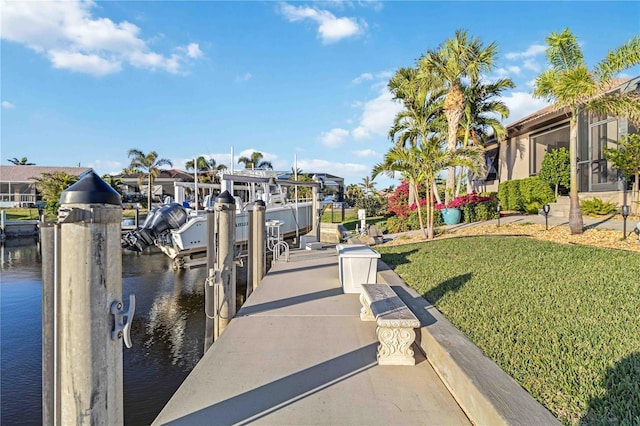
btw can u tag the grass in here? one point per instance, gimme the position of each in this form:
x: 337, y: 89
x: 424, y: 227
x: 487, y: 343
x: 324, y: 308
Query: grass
x: 562, y: 320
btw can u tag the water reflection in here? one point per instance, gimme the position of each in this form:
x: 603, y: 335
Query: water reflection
x: 167, y: 333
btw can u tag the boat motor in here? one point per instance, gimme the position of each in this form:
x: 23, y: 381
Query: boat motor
x: 159, y: 220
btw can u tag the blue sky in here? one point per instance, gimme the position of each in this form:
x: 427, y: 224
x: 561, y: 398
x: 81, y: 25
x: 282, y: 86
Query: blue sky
x: 84, y: 82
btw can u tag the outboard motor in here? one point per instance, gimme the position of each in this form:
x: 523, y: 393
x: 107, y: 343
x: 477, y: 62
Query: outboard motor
x: 159, y: 220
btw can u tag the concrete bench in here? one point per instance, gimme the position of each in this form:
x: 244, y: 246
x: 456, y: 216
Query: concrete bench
x: 395, y: 323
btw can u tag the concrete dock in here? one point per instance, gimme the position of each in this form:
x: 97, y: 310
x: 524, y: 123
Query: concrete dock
x: 298, y: 353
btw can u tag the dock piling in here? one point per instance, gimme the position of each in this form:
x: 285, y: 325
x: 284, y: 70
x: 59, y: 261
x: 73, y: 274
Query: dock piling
x: 256, y: 245
x: 226, y: 304
x: 88, y: 382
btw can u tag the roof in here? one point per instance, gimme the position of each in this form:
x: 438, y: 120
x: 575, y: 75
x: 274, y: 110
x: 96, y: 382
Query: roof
x: 31, y: 173
x: 164, y: 174
x: 552, y: 111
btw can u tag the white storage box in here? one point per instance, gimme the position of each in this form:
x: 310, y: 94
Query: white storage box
x: 357, y: 264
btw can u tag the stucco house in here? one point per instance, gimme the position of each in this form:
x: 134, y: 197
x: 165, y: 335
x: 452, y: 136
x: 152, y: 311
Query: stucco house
x: 162, y: 184
x: 530, y: 138
x: 17, y: 183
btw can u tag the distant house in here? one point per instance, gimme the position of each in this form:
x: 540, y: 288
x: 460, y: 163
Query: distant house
x: 530, y: 138
x: 17, y: 183
x: 162, y: 184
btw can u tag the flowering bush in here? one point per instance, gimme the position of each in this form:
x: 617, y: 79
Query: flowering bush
x: 463, y: 200
x: 397, y: 202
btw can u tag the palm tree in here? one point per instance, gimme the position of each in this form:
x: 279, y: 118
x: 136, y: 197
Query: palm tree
x: 115, y: 182
x: 21, y: 162
x: 568, y: 83
x: 368, y: 185
x: 150, y: 165
x: 457, y: 59
x: 422, y: 114
x: 479, y: 120
x: 255, y: 161
x: 422, y: 164
x: 201, y: 165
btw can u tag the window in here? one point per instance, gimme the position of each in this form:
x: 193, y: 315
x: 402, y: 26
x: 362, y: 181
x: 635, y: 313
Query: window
x: 491, y: 160
x: 603, y: 132
x: 541, y: 143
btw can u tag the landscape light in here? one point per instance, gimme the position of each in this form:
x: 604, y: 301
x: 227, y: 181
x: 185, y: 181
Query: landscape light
x: 637, y: 231
x: 625, y: 214
x: 545, y: 210
x: 498, y: 209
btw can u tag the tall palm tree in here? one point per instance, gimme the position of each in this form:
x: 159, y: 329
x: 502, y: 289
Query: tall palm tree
x: 479, y: 121
x: 150, y: 165
x: 457, y: 59
x: 21, y: 162
x: 422, y: 164
x: 568, y: 83
x: 255, y: 161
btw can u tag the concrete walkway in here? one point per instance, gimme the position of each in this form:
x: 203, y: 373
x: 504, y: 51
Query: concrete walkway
x: 298, y: 353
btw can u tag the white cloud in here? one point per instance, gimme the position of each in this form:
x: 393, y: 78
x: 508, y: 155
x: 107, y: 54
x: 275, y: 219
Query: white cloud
x: 366, y: 153
x: 345, y: 170
x: 69, y: 35
x: 362, y: 77
x: 102, y: 167
x: 193, y: 50
x: 7, y: 105
x: 243, y: 77
x: 334, y: 137
x: 522, y: 104
x: 330, y: 28
x: 510, y: 70
x: 532, y: 65
x: 533, y: 50
x: 377, y: 116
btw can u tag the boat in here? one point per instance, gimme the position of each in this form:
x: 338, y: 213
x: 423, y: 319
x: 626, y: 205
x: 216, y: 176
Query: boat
x: 179, y: 227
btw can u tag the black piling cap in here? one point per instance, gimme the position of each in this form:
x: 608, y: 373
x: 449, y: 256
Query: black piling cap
x: 225, y: 198
x: 90, y: 189
x: 260, y: 203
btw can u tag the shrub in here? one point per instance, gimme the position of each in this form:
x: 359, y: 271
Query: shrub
x: 596, y: 207
x: 397, y: 224
x: 525, y: 194
x: 535, y: 190
x: 373, y: 204
x: 555, y: 169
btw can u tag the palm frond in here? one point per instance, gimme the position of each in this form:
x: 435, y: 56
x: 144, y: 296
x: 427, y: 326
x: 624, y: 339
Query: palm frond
x: 620, y: 59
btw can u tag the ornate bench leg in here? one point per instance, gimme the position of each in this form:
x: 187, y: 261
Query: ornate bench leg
x: 365, y: 312
x: 395, y: 346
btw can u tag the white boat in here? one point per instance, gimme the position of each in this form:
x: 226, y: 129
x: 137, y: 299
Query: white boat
x: 179, y: 228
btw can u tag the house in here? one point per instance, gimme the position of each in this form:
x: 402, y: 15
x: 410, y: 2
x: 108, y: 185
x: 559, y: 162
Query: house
x: 530, y: 138
x: 135, y: 189
x: 18, y: 183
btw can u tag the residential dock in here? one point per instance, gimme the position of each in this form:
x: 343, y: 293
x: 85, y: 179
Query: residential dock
x: 298, y: 353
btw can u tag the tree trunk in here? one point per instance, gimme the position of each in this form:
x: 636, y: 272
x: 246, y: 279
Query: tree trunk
x: 576, y: 223
x: 635, y: 195
x: 453, y: 110
x: 435, y: 192
x: 424, y: 232
x: 431, y: 213
x: 149, y: 193
x: 459, y: 182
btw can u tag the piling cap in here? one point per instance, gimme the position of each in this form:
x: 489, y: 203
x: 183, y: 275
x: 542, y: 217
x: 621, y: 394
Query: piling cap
x: 225, y: 198
x: 259, y: 203
x: 90, y: 189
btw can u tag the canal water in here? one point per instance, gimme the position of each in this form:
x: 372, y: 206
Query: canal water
x: 167, y: 332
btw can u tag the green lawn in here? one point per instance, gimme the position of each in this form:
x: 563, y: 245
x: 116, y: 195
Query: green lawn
x: 562, y: 320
